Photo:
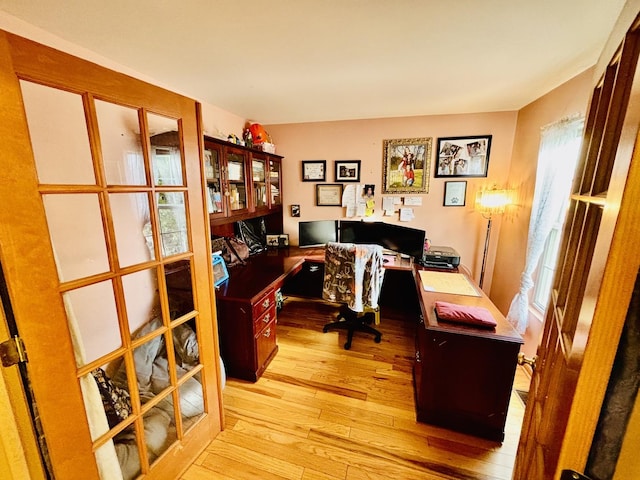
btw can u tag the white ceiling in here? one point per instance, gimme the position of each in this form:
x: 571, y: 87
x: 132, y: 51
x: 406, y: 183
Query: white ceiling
x: 289, y: 61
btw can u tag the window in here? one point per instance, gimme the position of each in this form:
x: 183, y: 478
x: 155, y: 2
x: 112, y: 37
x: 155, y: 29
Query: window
x: 557, y: 157
x: 547, y: 266
x: 559, y: 149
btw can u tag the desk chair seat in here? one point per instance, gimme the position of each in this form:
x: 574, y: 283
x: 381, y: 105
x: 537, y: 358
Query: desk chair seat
x: 353, y: 276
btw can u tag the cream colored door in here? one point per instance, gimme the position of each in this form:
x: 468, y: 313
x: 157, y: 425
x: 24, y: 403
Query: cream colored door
x: 598, y: 265
x: 102, y: 200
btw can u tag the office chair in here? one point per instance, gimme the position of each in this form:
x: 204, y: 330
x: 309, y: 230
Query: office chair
x: 353, y: 276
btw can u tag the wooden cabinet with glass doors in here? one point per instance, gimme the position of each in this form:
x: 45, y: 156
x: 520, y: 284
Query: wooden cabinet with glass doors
x: 241, y: 182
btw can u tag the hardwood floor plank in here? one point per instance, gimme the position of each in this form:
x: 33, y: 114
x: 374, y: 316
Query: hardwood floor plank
x: 320, y: 412
x: 345, y: 390
x: 303, y: 453
x: 357, y: 473
x: 245, y: 459
x: 366, y: 455
x: 198, y: 472
x: 239, y: 395
x: 310, y: 474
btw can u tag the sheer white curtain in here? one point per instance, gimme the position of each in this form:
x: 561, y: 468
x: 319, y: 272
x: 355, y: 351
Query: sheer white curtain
x: 557, y: 157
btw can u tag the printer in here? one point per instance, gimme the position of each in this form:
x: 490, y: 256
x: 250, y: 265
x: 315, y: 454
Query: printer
x: 440, y: 257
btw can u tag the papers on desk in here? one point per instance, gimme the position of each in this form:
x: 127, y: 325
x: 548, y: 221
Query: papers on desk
x: 445, y: 282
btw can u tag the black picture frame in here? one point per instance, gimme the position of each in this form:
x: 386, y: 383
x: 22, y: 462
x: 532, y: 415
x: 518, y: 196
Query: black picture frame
x: 463, y: 156
x: 347, y: 171
x: 314, y: 170
x: 278, y: 241
x: 455, y: 194
x: 329, y: 195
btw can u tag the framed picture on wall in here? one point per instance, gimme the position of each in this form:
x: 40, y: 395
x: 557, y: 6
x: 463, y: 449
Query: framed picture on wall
x: 329, y: 195
x: 455, y: 194
x: 314, y: 170
x: 347, y: 171
x: 406, y: 165
x: 463, y: 156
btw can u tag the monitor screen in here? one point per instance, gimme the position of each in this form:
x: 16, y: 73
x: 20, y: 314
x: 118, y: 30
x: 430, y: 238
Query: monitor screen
x: 405, y: 240
x: 318, y: 232
x: 356, y: 231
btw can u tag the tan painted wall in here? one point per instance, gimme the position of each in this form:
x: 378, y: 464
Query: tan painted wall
x: 513, y: 162
x: 568, y: 99
x: 459, y: 227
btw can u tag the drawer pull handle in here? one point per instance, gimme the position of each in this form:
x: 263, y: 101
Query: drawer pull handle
x: 266, y: 303
x: 267, y: 332
x: 266, y: 318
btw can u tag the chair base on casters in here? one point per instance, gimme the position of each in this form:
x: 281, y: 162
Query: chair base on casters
x: 353, y: 321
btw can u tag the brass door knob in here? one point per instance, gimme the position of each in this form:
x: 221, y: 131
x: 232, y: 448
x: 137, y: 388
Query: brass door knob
x: 522, y: 360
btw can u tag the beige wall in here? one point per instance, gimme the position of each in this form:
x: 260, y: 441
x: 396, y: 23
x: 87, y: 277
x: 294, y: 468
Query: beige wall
x: 566, y: 100
x: 216, y: 121
x: 513, y: 162
x: 459, y: 227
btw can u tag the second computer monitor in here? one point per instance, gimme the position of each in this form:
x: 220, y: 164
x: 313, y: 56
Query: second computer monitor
x: 400, y: 239
x: 316, y: 233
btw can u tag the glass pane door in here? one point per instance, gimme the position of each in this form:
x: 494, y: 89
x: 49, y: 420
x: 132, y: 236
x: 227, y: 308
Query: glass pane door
x: 119, y: 228
x: 236, y: 164
x: 213, y: 177
x: 258, y: 169
x: 274, y: 182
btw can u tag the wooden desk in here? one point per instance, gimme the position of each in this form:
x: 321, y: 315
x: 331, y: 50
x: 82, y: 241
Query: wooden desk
x: 246, y: 306
x: 464, y: 375
x: 247, y: 315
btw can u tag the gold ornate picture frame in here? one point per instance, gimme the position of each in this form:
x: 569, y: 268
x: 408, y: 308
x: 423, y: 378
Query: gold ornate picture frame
x: 406, y: 165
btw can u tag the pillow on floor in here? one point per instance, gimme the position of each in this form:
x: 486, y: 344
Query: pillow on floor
x: 116, y: 400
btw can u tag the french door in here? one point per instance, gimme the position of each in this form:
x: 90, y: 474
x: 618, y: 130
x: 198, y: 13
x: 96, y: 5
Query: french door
x: 597, y: 270
x: 102, y: 199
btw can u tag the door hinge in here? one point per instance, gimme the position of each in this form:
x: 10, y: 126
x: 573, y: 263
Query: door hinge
x: 13, y: 352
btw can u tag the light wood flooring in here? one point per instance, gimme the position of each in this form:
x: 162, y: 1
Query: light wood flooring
x: 322, y: 412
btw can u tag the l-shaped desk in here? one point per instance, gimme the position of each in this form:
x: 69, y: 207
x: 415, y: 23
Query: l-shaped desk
x: 463, y: 375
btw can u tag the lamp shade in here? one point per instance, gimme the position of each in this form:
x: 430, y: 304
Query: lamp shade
x: 494, y: 201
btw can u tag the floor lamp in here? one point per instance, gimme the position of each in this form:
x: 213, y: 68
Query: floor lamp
x: 489, y: 203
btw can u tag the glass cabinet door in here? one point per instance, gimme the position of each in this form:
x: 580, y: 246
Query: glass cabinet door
x: 258, y: 168
x: 274, y: 182
x: 213, y: 174
x: 237, y: 184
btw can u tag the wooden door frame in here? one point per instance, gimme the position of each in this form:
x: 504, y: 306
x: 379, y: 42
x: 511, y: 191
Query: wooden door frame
x: 611, y: 277
x: 19, y: 454
x: 22, y: 221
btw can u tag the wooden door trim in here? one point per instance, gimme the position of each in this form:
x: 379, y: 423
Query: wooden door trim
x: 23, y: 248
x: 622, y: 218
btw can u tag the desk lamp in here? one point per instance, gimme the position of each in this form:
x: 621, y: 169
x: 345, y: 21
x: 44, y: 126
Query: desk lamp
x: 488, y: 203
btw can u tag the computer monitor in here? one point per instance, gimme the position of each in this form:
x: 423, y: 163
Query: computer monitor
x: 357, y: 231
x: 405, y: 240
x: 397, y: 238
x: 317, y: 233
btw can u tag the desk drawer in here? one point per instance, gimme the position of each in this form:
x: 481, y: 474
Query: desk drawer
x: 264, y: 319
x: 265, y: 342
x: 264, y: 304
